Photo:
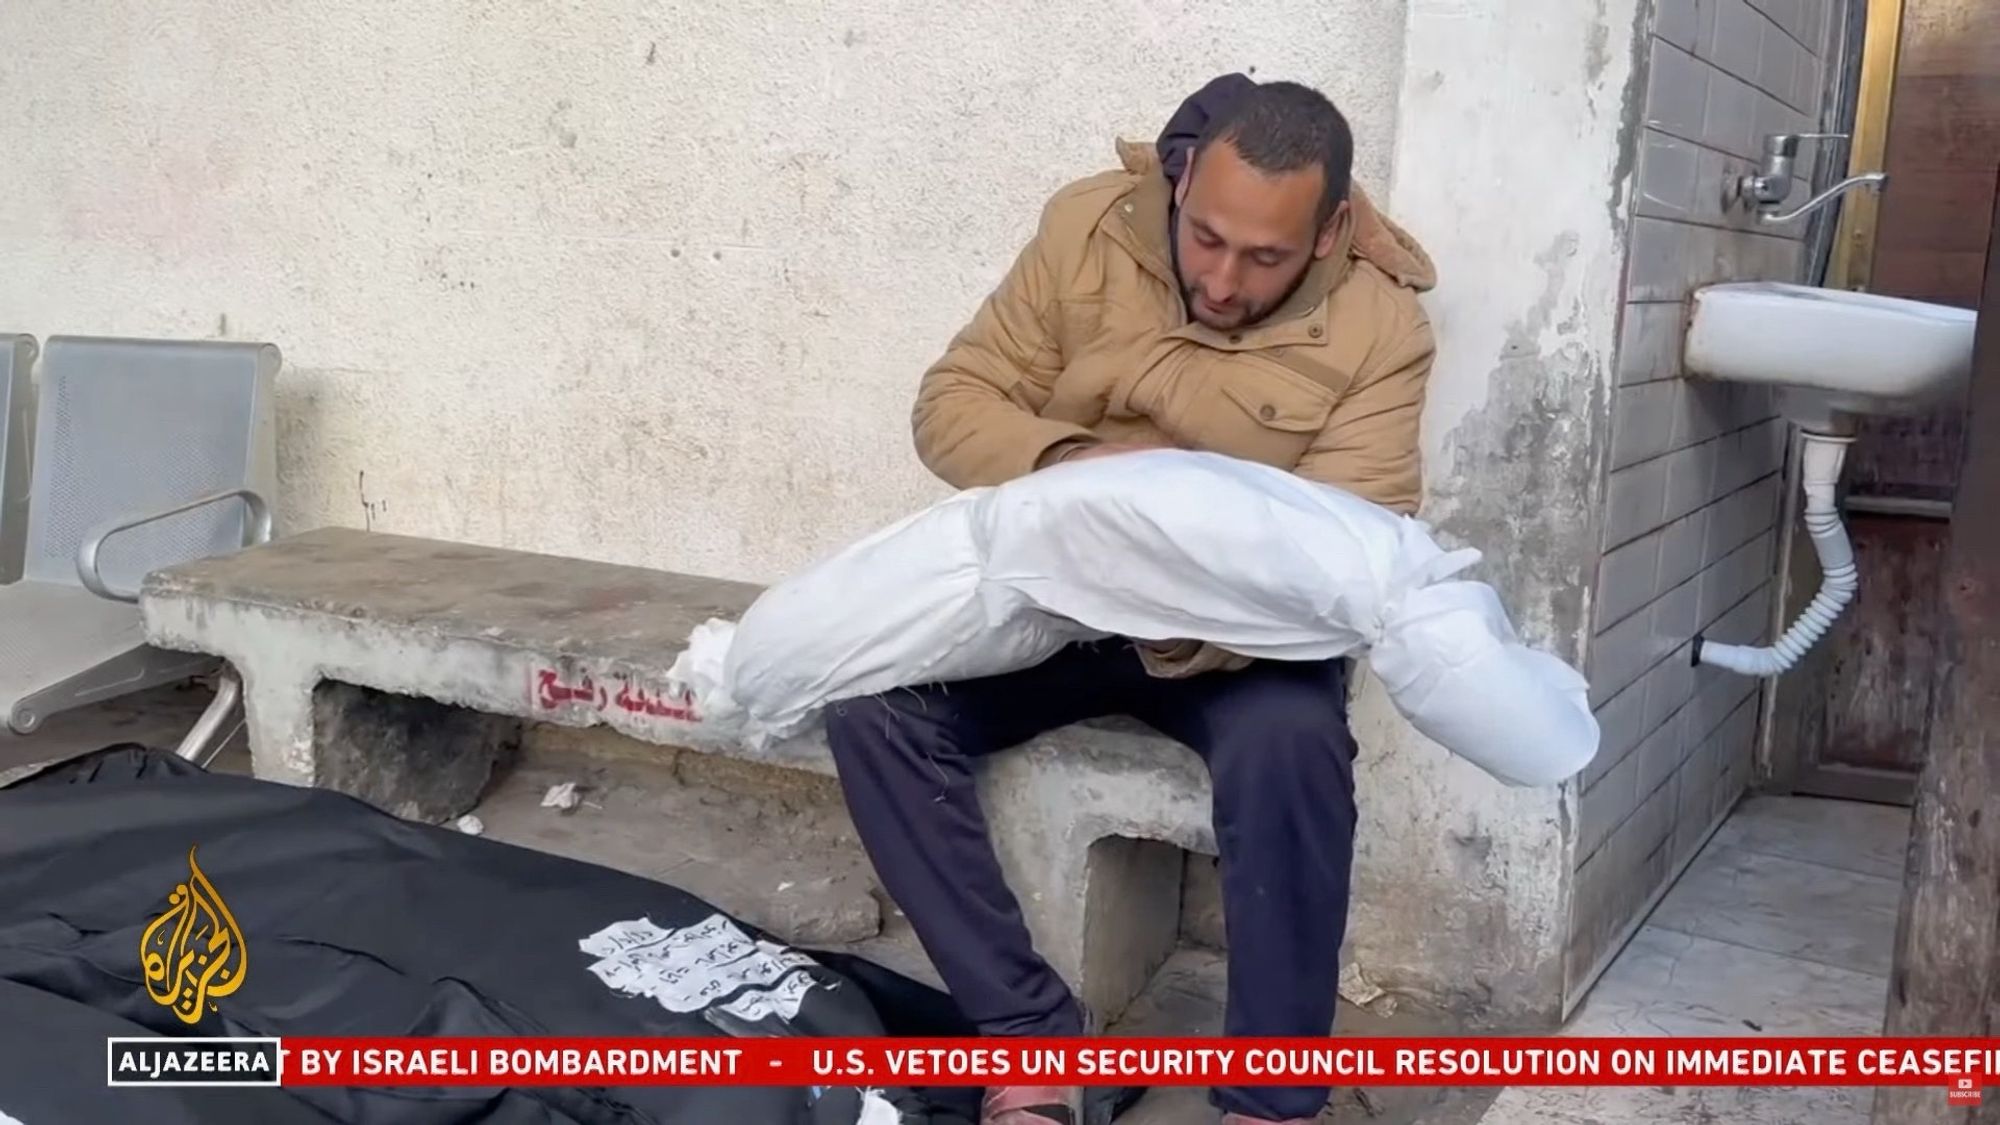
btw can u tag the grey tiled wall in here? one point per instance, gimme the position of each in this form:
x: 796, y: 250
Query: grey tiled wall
x: 1693, y: 499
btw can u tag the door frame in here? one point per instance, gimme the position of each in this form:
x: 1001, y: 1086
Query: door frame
x: 1853, y: 249
x: 1867, y: 72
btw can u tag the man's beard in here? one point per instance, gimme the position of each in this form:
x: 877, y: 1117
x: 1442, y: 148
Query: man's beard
x: 1188, y: 291
x: 1255, y: 313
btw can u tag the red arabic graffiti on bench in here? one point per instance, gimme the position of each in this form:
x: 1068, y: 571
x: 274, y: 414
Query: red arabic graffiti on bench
x: 551, y: 692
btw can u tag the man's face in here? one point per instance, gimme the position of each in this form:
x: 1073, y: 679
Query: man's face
x: 1246, y: 237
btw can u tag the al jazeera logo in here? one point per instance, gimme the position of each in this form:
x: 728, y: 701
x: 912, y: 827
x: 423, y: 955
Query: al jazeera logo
x: 192, y: 955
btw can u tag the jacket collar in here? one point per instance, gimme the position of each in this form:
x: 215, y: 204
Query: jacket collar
x: 1143, y: 225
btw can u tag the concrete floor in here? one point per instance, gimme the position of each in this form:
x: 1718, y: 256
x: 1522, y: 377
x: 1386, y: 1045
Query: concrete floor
x: 1185, y: 998
x: 1783, y: 925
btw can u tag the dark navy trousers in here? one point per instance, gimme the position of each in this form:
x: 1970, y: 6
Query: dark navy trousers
x: 1276, y: 741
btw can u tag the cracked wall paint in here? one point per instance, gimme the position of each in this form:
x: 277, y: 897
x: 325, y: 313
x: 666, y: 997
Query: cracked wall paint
x: 1510, y: 134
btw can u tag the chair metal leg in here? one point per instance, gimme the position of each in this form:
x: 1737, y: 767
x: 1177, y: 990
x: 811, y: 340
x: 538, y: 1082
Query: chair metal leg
x: 137, y: 669
x: 206, y: 738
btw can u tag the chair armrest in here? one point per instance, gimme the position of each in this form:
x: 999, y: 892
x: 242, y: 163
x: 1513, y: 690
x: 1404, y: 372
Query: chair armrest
x: 257, y: 529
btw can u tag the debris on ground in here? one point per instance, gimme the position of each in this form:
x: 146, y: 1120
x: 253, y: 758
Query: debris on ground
x: 825, y: 911
x: 471, y: 825
x: 563, y: 797
x: 1357, y: 989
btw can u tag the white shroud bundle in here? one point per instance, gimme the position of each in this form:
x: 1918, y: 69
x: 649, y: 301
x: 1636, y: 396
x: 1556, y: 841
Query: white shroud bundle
x: 1154, y: 546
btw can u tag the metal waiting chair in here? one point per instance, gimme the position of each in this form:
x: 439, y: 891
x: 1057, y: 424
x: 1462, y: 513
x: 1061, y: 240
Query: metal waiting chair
x: 17, y: 356
x: 147, y: 454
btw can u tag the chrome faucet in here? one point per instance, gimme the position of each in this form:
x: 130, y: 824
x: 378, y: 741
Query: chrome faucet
x: 1769, y: 188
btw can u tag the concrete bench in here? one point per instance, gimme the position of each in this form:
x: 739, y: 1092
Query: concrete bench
x: 402, y: 670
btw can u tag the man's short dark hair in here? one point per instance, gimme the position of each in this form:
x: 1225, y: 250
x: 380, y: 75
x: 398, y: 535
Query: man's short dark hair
x: 1285, y: 127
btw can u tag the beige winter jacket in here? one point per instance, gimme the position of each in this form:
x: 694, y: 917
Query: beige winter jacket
x: 1086, y: 339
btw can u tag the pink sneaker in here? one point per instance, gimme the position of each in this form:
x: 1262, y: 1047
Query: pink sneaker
x: 1031, y: 1105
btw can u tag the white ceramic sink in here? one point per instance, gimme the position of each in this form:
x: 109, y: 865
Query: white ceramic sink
x: 1829, y: 351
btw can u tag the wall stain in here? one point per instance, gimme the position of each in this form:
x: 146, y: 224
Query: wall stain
x: 369, y: 509
x: 1475, y: 848
x: 1631, y: 122
x: 1596, y: 49
x: 564, y: 135
x: 1525, y: 470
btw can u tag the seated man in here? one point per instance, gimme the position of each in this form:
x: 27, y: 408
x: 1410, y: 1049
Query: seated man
x: 1229, y: 292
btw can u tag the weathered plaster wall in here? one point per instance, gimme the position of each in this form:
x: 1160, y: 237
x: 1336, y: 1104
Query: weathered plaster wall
x: 647, y: 281
x: 1512, y: 162
x: 652, y: 283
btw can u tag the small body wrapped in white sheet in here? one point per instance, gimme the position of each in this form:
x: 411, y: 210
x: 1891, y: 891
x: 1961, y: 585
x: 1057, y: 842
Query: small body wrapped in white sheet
x: 1163, y: 545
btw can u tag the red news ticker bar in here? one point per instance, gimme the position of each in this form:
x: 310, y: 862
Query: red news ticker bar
x: 1344, y: 1061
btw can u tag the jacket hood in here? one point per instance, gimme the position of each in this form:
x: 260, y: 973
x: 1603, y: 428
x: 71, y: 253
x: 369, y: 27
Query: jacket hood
x: 1388, y: 247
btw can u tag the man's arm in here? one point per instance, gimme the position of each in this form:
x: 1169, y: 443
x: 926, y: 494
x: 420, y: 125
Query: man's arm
x: 975, y: 418
x: 1370, y: 445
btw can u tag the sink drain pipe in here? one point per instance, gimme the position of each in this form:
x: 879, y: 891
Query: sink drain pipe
x: 1819, y: 466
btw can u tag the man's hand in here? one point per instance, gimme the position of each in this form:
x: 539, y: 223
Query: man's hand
x: 1100, y: 449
